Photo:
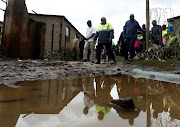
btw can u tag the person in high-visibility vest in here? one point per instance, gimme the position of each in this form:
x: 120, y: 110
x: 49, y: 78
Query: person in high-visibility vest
x: 137, y: 42
x: 172, y: 37
x: 165, y: 35
x: 105, y: 34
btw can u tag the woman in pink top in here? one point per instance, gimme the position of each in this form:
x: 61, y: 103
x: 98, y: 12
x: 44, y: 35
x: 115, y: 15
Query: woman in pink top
x: 137, y: 42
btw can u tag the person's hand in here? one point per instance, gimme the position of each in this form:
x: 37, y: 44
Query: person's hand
x: 125, y: 40
x: 110, y: 39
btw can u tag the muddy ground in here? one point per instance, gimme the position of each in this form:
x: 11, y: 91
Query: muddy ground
x: 14, y: 71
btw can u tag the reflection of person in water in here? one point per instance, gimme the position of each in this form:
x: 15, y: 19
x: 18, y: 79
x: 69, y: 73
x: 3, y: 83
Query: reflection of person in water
x: 157, y: 99
x: 89, y: 92
x: 130, y: 115
x: 103, y: 97
x: 140, y: 94
x: 172, y: 97
x: 128, y: 87
x: 88, y: 102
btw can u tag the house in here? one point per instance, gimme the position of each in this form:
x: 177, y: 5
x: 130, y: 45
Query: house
x: 175, y: 21
x: 23, y: 37
x: 59, y: 32
x: 1, y: 30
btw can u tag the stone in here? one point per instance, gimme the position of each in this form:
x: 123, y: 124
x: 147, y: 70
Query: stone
x: 123, y: 103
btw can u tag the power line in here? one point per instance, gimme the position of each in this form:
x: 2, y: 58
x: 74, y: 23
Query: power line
x: 2, y: 9
x: 161, y: 14
x: 4, y: 1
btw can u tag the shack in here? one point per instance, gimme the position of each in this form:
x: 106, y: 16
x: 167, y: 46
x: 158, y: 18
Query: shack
x: 175, y: 21
x: 59, y: 32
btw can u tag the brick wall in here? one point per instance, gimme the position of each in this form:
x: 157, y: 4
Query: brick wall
x: 59, y: 39
x: 176, y: 23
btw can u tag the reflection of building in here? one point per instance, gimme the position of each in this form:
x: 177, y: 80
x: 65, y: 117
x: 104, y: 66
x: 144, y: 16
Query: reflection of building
x: 1, y: 26
x: 175, y: 21
x: 158, y: 100
x: 59, y: 32
x: 40, y: 97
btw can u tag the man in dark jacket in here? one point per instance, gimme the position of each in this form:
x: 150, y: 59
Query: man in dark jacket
x: 142, y: 45
x: 156, y: 35
x: 130, y: 32
x: 105, y: 34
x: 124, y: 51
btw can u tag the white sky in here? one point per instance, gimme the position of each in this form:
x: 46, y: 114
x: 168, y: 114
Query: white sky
x: 116, y: 11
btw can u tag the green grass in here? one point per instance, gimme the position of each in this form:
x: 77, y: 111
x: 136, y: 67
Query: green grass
x: 169, y: 62
x: 119, y: 59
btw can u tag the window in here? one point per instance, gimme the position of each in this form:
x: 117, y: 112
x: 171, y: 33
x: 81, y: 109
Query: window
x: 67, y: 34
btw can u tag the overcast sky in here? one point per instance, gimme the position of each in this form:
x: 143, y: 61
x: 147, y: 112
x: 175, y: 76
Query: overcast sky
x: 116, y: 11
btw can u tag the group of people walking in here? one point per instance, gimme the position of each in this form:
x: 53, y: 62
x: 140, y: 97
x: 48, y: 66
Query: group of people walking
x: 104, y: 34
x: 131, y: 40
x: 128, y: 38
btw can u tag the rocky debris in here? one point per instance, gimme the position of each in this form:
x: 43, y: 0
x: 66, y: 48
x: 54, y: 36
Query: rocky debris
x: 123, y: 103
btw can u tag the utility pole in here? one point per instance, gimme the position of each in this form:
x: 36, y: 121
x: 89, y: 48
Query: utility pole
x: 147, y: 26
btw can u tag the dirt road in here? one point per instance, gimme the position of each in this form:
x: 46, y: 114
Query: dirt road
x: 14, y: 71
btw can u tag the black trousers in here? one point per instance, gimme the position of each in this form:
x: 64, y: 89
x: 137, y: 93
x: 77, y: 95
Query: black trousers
x: 130, y: 46
x: 81, y: 53
x: 124, y: 50
x: 109, y: 50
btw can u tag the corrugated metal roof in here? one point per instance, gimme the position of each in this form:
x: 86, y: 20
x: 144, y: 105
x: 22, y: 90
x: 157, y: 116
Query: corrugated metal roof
x: 174, y: 18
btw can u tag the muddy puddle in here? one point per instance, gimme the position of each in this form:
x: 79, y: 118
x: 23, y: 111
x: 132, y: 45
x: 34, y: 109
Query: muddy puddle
x: 85, y: 102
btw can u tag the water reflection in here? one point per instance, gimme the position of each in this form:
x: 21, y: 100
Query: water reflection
x: 158, y: 100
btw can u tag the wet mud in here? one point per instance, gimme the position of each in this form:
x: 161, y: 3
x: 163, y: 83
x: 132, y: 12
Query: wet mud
x: 14, y: 71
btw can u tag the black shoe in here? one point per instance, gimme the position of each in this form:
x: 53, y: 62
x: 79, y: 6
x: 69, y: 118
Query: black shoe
x: 98, y: 62
x: 84, y: 60
x: 131, y: 60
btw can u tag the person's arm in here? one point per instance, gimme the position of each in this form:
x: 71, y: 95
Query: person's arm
x: 160, y: 32
x: 151, y: 34
x: 125, y: 27
x: 111, y: 35
x: 96, y: 36
x: 111, y: 32
x: 94, y: 32
x: 121, y: 38
x: 90, y: 36
x: 139, y: 28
